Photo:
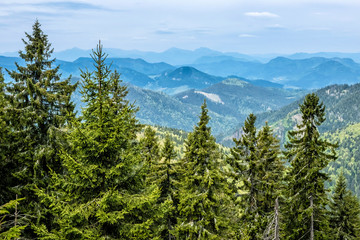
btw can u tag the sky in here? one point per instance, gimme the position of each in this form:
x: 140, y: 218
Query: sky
x: 245, y: 26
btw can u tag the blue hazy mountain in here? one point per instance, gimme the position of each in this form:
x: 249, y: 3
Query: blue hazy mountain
x: 174, y: 56
x: 135, y: 71
x: 301, y: 55
x: 186, y: 76
x: 308, y: 73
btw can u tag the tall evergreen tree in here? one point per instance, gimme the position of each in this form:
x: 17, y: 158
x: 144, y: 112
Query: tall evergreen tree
x: 40, y: 104
x: 345, y: 212
x: 6, y: 164
x: 272, y: 169
x: 203, y: 206
x: 103, y: 195
x: 257, y: 173
x: 308, y: 154
x: 272, y: 172
x: 150, y: 147
x: 165, y: 175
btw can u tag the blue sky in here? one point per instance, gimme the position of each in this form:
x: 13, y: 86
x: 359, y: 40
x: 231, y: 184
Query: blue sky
x: 251, y: 26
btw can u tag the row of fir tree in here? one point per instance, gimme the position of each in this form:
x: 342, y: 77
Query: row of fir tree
x: 89, y: 176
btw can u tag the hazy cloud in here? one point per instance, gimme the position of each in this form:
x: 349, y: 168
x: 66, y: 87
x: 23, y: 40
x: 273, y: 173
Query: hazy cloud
x: 155, y: 25
x: 164, y: 32
x: 69, y: 5
x: 261, y: 14
x: 247, y: 35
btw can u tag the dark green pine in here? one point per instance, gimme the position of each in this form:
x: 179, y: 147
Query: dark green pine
x: 103, y: 194
x: 308, y: 155
x: 271, y: 173
x: 244, y: 161
x: 150, y: 147
x: 204, y: 206
x: 344, y: 212
x: 272, y: 169
x: 257, y: 174
x: 164, y: 173
x: 6, y: 163
x: 40, y: 105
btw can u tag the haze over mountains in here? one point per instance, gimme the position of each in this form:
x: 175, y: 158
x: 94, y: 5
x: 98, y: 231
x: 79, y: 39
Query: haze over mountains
x: 170, y: 86
x: 300, y: 70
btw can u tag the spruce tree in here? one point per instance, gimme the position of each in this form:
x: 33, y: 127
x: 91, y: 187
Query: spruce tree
x: 257, y: 174
x: 246, y: 168
x: 344, y: 212
x: 272, y: 169
x: 165, y: 175
x: 308, y: 154
x: 39, y: 107
x: 272, y: 173
x: 150, y: 147
x: 203, y: 204
x: 6, y: 164
x: 103, y: 194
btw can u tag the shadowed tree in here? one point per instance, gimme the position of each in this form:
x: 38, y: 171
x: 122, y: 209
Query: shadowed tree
x: 308, y: 154
x: 204, y: 204
x: 344, y: 212
x: 257, y: 172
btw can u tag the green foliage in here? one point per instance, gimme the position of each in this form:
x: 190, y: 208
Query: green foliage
x: 39, y: 107
x: 246, y: 168
x: 6, y: 164
x: 345, y: 212
x: 341, y: 125
x: 349, y: 156
x: 257, y: 172
x: 10, y: 225
x: 103, y: 195
x: 150, y: 147
x: 203, y: 203
x: 308, y: 155
x: 165, y: 175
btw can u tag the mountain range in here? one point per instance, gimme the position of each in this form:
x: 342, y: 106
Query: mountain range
x: 309, y: 73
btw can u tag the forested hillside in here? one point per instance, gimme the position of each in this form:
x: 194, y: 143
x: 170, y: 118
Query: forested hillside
x: 342, y: 125
x: 101, y: 174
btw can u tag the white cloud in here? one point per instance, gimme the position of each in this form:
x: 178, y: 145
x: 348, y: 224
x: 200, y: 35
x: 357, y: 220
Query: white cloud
x: 261, y: 14
x: 247, y: 35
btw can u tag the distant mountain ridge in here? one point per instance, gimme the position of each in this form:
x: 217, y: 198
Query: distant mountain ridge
x: 307, y: 73
x: 210, y: 67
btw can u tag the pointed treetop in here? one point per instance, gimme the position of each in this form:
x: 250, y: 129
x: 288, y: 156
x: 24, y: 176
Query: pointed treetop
x: 313, y: 112
x: 204, y: 118
x: 37, y: 46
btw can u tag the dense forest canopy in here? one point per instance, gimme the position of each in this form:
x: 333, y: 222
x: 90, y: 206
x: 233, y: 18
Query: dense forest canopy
x: 100, y: 174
